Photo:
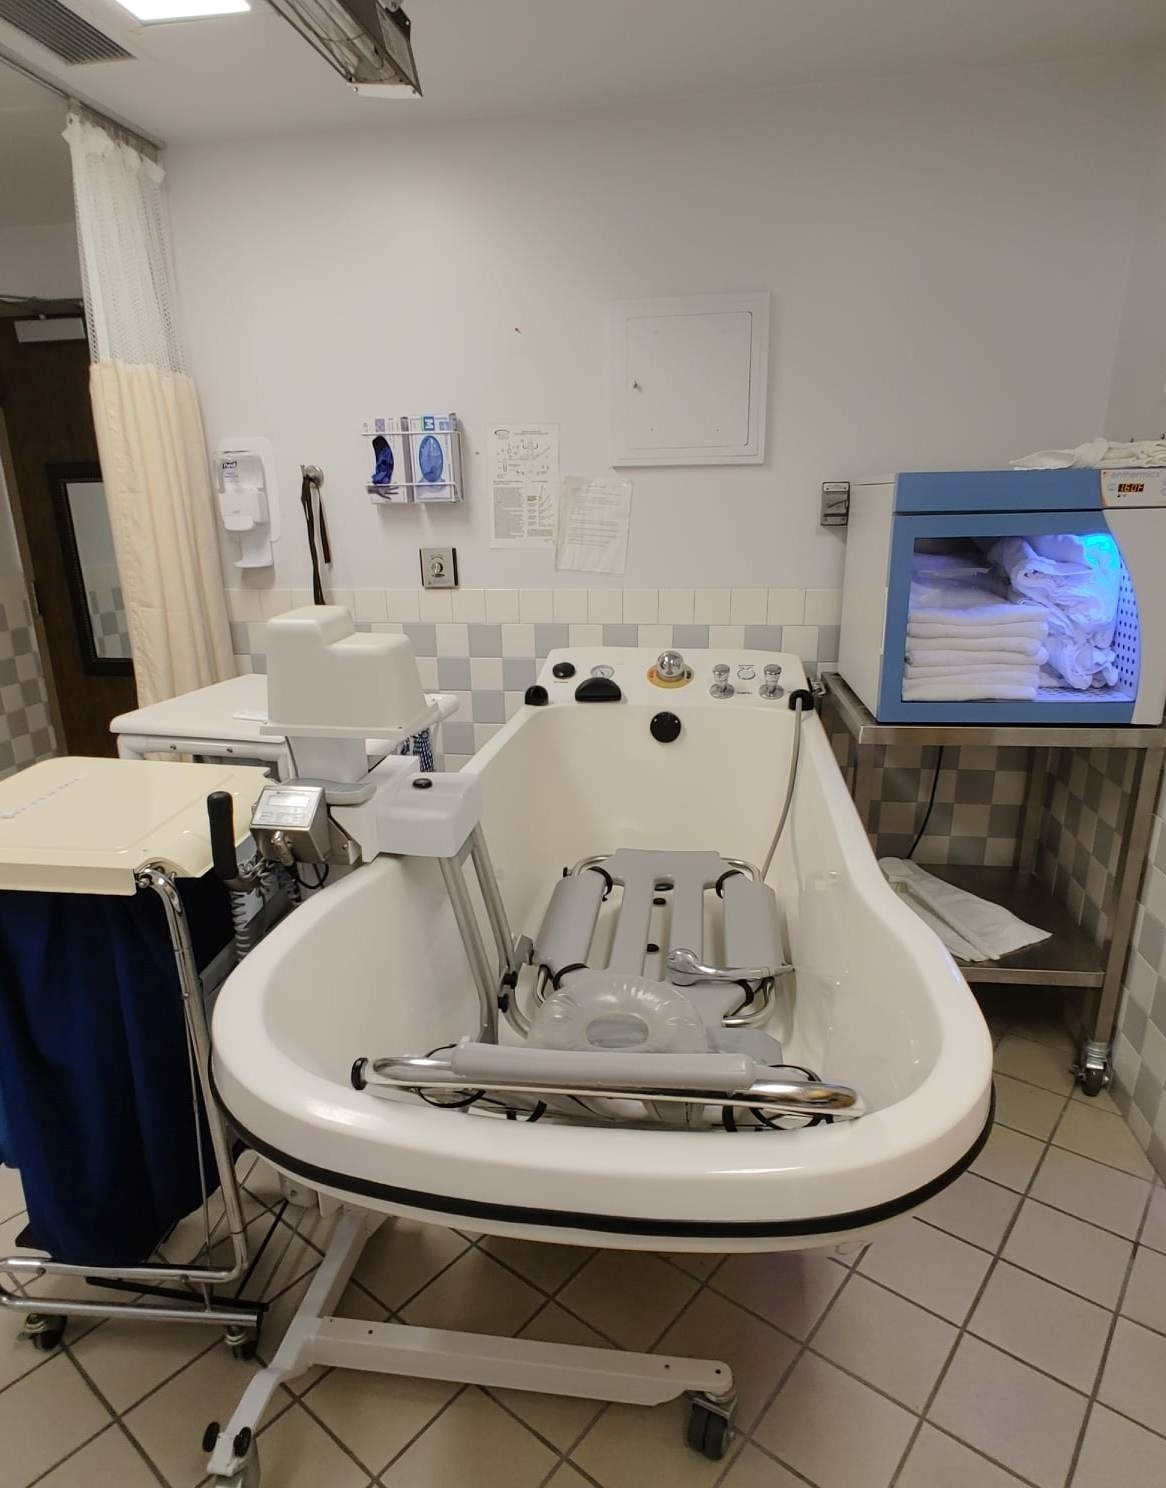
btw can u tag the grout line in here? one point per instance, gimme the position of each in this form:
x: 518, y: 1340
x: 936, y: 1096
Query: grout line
x: 64, y: 1354
x: 1104, y: 1361
x: 961, y: 1332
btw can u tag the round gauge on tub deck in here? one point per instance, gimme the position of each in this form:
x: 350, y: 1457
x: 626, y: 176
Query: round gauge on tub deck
x: 603, y: 670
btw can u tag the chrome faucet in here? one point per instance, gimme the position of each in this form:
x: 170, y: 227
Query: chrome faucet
x: 771, y: 687
x: 671, y: 666
x: 722, y: 687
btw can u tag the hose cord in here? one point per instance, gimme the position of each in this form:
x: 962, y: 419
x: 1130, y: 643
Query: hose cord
x: 789, y: 790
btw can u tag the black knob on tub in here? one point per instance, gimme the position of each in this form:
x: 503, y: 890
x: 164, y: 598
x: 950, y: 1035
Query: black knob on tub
x: 563, y: 670
x: 536, y: 697
x: 665, y: 728
x: 598, y: 690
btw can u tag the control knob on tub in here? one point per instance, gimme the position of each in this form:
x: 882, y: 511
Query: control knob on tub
x: 722, y: 687
x: 771, y: 687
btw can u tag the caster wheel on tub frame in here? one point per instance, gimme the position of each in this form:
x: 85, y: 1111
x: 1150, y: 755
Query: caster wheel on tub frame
x: 246, y: 1476
x: 710, y: 1427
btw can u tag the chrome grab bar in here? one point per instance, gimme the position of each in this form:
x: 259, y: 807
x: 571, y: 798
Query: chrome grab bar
x: 782, y: 1097
x: 685, y: 967
x: 750, y: 870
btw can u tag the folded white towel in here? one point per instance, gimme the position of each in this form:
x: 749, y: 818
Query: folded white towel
x: 1018, y: 676
x: 943, y: 630
x: 972, y: 928
x: 975, y: 646
x: 983, y: 656
x: 959, y: 618
x: 948, y: 690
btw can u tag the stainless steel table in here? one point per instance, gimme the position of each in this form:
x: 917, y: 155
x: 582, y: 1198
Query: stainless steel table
x: 1071, y: 958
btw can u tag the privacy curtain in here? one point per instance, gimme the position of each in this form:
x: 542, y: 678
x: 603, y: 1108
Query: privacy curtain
x: 149, y: 428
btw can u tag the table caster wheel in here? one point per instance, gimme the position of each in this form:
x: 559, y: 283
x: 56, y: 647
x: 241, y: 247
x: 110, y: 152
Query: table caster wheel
x: 242, y: 1342
x: 710, y: 1430
x: 1093, y: 1078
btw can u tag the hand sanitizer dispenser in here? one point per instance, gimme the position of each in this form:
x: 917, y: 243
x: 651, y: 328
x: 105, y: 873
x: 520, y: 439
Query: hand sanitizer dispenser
x: 241, y: 477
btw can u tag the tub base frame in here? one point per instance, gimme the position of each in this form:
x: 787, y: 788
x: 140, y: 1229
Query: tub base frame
x: 315, y: 1336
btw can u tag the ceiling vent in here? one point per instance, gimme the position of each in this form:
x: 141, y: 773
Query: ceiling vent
x: 61, y: 30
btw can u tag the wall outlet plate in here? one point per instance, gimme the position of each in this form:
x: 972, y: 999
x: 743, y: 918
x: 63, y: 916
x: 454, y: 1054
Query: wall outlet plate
x: 438, y: 568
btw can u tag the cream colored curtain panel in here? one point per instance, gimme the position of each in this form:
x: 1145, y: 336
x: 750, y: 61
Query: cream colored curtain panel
x: 149, y: 429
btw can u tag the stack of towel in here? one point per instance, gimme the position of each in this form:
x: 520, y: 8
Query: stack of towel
x: 1077, y: 581
x: 966, y: 639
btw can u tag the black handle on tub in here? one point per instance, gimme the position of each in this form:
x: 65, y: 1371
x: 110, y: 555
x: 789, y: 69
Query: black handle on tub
x: 220, y: 810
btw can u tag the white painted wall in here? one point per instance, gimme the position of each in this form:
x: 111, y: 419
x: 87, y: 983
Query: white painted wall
x: 1138, y: 397
x: 948, y: 256
x: 41, y: 261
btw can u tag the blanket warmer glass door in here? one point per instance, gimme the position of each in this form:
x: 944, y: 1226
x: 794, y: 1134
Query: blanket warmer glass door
x: 1008, y: 597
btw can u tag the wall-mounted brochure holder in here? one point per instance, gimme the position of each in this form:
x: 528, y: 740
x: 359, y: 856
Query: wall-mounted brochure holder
x: 415, y: 457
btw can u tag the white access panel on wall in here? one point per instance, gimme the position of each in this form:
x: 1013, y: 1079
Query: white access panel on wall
x: 688, y: 380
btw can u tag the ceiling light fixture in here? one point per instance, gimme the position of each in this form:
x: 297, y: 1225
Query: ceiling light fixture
x: 368, y: 42
x: 182, y: 10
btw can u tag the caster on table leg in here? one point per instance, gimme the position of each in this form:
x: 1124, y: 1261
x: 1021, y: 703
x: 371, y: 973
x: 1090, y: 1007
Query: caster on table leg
x: 1094, y: 1070
x: 710, y: 1426
x: 242, y: 1342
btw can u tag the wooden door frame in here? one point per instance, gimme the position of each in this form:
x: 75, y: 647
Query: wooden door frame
x: 16, y: 506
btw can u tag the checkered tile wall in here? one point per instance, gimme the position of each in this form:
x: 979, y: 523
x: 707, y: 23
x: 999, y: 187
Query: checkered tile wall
x: 107, y: 616
x: 26, y: 732
x: 486, y: 646
x: 979, y: 797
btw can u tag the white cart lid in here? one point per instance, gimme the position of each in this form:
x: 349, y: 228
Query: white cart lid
x: 85, y: 826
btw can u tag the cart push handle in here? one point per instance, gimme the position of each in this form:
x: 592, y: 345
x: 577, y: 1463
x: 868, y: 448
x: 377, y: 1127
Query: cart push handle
x: 220, y: 810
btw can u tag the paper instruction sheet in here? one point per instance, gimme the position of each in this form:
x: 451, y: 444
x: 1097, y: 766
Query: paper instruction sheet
x: 594, y: 517
x: 524, y: 480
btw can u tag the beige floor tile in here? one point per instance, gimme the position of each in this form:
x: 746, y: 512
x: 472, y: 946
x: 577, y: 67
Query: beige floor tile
x: 18, y: 1355
x: 1134, y: 1381
x: 834, y: 1430
x: 939, y: 1461
x: 544, y: 1266
x: 790, y: 1289
x: 1053, y: 1330
x: 1027, y: 1108
x: 973, y: 1209
x: 753, y: 1469
x: 628, y: 1296
x: 403, y: 1256
x: 561, y: 1419
x: 697, y: 1263
x: 714, y: 1328
x: 568, y: 1477
x: 1145, y: 1298
x: 1102, y: 1101
x: 1154, y: 1233
x: 376, y: 1415
x: 125, y: 1360
x: 1041, y: 1021
x: 109, y: 1459
x: 1116, y: 1451
x: 169, y: 1424
x: 43, y: 1417
x: 1024, y: 1059
x: 889, y: 1342
x: 1091, y: 1191
x: 1009, y: 1158
x: 929, y: 1267
x: 633, y: 1446
x: 1102, y: 1136
x: 294, y: 1452
x: 1074, y: 1254
x: 474, y: 1430
x: 1022, y: 1419
x: 11, y: 1193
x: 475, y: 1295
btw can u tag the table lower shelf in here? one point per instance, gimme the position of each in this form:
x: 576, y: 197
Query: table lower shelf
x: 1069, y: 959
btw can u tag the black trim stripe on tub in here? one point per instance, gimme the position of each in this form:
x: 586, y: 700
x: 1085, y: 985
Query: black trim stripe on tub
x: 566, y: 1219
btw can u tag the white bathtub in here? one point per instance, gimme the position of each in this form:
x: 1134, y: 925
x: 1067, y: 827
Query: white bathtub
x: 373, y: 966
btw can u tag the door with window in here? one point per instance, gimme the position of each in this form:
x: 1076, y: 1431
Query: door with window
x: 50, y: 452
